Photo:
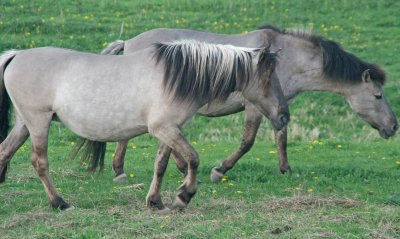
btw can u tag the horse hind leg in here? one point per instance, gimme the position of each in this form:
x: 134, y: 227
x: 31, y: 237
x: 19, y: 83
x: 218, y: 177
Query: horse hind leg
x: 39, y: 129
x: 153, y: 199
x: 10, y: 145
x: 118, y: 161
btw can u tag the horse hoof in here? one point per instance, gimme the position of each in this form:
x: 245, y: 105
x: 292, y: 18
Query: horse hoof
x: 70, y: 208
x: 164, y: 211
x: 179, y: 203
x: 122, y: 178
x: 286, y: 170
x: 59, y: 203
x: 215, y: 176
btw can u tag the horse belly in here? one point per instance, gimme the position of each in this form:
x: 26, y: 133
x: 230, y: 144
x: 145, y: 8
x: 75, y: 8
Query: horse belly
x: 103, y: 126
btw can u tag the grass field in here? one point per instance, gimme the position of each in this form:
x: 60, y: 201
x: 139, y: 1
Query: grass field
x: 345, y: 182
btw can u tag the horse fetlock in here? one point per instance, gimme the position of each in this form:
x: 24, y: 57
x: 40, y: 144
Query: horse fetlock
x: 59, y: 203
x: 215, y: 175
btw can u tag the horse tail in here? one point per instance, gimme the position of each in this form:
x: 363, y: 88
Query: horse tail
x: 114, y: 48
x: 5, y: 104
x: 92, y: 153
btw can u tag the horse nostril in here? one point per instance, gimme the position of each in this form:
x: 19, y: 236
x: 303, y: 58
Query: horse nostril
x: 395, y: 127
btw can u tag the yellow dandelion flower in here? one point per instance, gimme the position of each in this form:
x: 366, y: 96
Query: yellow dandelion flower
x: 230, y: 184
x: 398, y: 162
x: 223, y: 179
x: 339, y: 146
x: 132, y: 175
x: 315, y: 178
x: 213, y: 191
x: 310, y: 190
x: 194, y: 142
x: 258, y: 159
x: 298, y: 189
x: 238, y: 191
x: 272, y: 152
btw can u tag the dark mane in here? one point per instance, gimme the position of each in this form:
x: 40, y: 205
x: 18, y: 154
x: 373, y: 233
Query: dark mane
x: 338, y: 64
x: 198, y: 71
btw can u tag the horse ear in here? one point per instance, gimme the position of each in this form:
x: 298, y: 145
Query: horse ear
x: 365, y: 76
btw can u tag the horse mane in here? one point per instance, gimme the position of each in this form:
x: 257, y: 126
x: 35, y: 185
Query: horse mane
x: 197, y: 70
x: 338, y: 64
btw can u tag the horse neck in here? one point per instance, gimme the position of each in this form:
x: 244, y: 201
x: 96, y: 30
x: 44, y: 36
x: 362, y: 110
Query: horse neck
x: 300, y: 68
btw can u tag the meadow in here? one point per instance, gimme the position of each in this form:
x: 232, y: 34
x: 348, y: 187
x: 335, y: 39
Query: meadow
x: 345, y: 179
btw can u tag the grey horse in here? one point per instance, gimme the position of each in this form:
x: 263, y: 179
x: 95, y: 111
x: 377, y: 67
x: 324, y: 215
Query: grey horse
x: 307, y: 63
x: 159, y: 89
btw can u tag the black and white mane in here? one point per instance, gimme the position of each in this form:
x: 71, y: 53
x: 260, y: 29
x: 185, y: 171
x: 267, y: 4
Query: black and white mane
x: 338, y: 64
x: 198, y: 70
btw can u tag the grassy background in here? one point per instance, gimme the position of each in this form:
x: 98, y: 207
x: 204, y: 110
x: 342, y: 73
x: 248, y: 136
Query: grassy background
x: 345, y: 180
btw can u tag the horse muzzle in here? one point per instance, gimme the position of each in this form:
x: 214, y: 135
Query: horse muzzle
x: 283, y: 120
x: 389, y: 132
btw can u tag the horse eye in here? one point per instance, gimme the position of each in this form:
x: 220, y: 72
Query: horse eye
x: 378, y: 96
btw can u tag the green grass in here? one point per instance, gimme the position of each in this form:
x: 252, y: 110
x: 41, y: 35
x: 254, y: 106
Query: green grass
x: 345, y: 182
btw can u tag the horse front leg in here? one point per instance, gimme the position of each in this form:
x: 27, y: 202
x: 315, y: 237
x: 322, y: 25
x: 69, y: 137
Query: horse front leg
x: 10, y: 145
x: 172, y: 136
x: 181, y: 164
x: 153, y: 199
x: 118, y: 161
x: 252, y: 124
x: 281, y: 144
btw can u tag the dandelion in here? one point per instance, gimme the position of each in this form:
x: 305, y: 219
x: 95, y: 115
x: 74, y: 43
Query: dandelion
x: 310, y: 190
x: 230, y: 184
x: 223, y: 179
x: 298, y: 189
x: 258, y: 159
x: 132, y: 175
x: 398, y: 162
x: 238, y: 191
x: 272, y: 152
x: 213, y: 191
x: 315, y: 178
x: 339, y: 146
x: 72, y: 143
x: 194, y: 142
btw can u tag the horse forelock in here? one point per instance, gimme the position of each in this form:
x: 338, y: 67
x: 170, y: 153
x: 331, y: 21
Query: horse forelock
x: 197, y: 70
x: 338, y: 64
